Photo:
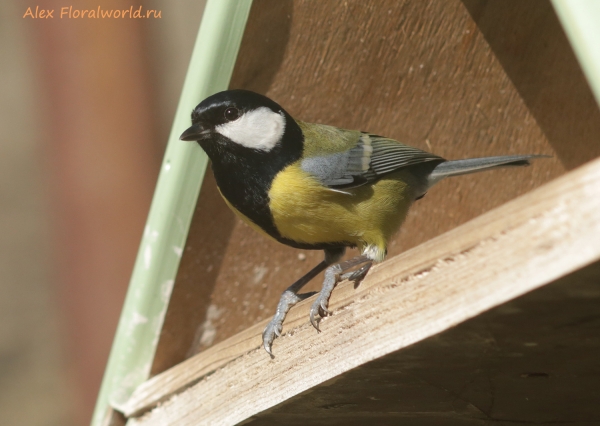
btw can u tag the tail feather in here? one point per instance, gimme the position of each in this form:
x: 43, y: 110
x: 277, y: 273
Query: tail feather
x: 474, y: 165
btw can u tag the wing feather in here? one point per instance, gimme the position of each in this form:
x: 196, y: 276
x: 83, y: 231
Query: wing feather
x: 368, y: 158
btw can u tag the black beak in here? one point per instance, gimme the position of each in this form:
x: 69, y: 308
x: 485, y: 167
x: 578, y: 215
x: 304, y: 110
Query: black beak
x: 193, y: 133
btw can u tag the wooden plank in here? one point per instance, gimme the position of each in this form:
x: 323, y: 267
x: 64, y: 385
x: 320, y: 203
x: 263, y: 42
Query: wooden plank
x: 533, y: 360
x: 496, y: 257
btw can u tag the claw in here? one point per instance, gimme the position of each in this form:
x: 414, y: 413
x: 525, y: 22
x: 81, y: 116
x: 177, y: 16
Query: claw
x: 288, y: 299
x: 319, y: 308
x: 358, y: 275
x: 271, y: 330
x: 313, y: 321
x: 268, y: 349
x: 323, y: 311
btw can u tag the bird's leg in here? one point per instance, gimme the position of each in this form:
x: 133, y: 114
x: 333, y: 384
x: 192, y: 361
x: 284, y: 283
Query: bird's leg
x: 333, y: 275
x: 290, y: 297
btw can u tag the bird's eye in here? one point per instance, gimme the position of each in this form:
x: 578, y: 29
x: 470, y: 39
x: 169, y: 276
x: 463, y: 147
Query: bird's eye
x: 232, y: 114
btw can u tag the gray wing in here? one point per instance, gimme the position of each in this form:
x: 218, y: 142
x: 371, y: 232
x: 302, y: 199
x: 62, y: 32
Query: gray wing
x: 371, y: 158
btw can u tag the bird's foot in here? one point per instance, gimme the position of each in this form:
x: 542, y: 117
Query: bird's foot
x: 333, y: 275
x: 272, y: 331
x: 319, y: 309
x: 275, y: 326
x: 358, y: 275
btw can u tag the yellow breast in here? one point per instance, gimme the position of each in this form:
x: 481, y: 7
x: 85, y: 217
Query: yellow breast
x: 305, y: 211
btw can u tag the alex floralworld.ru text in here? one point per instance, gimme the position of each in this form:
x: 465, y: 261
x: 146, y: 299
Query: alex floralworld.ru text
x: 68, y: 12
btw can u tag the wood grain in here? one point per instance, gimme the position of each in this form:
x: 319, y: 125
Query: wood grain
x: 533, y: 360
x: 505, y: 253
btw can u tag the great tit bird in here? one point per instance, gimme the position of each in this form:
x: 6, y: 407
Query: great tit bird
x: 318, y: 187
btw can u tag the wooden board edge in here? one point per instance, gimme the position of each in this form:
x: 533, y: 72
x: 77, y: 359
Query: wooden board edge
x: 555, y: 229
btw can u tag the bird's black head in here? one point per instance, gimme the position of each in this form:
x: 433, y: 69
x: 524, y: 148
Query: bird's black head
x: 240, y: 122
x: 249, y: 139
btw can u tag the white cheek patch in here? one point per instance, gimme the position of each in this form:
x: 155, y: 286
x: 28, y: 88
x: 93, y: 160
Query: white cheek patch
x: 259, y: 129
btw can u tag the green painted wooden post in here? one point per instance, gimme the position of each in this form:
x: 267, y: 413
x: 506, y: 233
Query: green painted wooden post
x: 581, y: 21
x: 175, y: 197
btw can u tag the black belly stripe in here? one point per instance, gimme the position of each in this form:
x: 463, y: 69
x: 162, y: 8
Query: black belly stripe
x: 245, y: 175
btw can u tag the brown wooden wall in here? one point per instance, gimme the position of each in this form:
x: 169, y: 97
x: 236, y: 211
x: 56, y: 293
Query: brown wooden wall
x: 458, y: 78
